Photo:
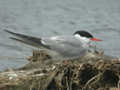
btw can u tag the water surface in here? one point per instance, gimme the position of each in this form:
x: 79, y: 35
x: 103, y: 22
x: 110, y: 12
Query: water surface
x: 57, y: 17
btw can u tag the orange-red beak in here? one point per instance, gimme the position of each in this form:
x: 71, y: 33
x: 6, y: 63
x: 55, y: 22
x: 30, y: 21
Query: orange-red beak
x: 95, y: 39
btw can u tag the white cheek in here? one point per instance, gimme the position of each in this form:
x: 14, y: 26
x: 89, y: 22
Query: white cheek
x: 85, y: 39
x: 82, y: 39
x: 77, y: 36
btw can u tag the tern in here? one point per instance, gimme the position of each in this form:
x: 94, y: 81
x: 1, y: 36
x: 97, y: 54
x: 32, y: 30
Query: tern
x: 65, y: 46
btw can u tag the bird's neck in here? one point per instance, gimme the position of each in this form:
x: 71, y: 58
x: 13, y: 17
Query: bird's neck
x: 84, y: 40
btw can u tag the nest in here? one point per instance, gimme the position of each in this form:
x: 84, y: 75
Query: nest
x: 90, y: 72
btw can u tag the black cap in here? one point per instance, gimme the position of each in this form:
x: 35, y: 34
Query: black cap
x: 84, y: 34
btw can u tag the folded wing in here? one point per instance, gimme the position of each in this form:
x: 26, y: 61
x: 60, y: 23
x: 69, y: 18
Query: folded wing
x: 30, y: 40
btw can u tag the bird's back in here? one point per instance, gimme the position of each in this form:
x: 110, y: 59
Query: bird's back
x: 66, y: 46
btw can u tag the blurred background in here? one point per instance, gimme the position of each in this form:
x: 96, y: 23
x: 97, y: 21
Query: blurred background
x: 57, y: 17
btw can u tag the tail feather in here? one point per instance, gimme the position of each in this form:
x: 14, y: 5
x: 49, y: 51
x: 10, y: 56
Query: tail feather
x: 33, y: 41
x: 23, y: 36
x: 28, y: 43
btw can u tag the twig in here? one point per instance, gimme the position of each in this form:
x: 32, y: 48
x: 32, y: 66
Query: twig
x: 91, y: 80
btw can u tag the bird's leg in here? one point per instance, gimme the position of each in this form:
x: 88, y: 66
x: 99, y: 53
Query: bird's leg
x: 93, y: 48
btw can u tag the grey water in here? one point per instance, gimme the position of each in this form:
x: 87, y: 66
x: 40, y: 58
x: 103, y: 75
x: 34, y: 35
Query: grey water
x: 57, y: 17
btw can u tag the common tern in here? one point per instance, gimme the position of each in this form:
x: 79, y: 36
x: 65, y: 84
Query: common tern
x: 65, y: 46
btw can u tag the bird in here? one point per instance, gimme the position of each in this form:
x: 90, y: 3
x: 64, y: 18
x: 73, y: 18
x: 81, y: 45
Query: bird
x: 64, y: 46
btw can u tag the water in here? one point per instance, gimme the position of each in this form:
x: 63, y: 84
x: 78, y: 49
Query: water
x: 51, y: 17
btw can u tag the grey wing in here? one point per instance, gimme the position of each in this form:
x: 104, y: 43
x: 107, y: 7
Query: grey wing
x: 66, y: 46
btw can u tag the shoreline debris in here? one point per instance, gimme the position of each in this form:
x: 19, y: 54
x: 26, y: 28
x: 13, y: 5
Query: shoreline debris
x: 90, y: 72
